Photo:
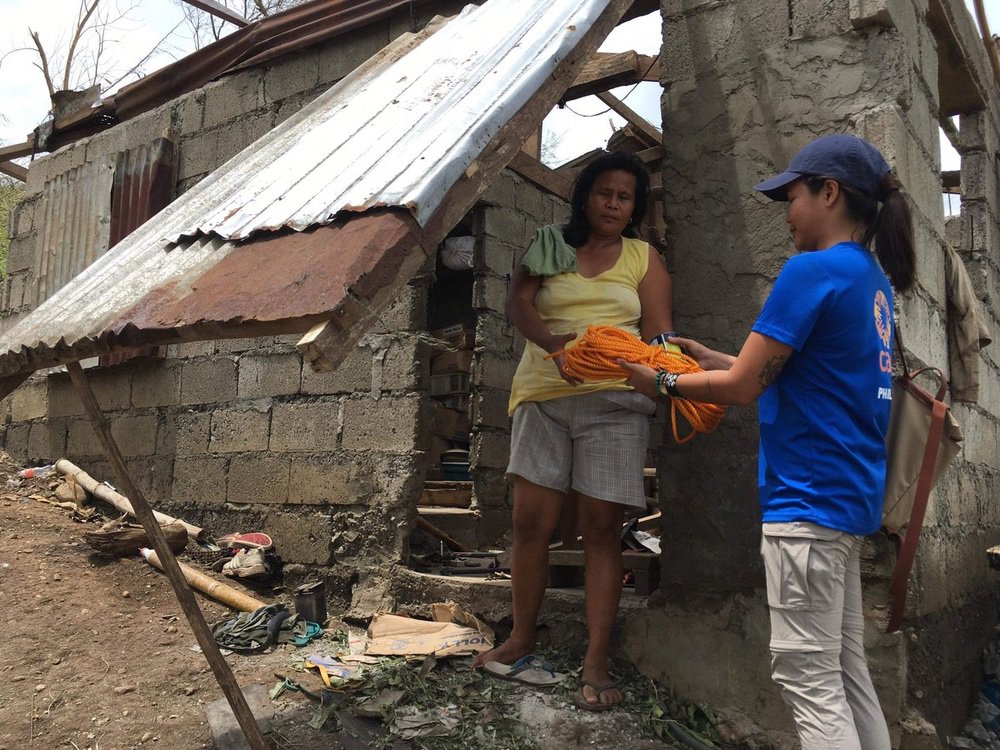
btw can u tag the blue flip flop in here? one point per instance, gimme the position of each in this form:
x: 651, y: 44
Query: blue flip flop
x: 528, y: 670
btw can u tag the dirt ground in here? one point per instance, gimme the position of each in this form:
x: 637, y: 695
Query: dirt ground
x: 96, y: 655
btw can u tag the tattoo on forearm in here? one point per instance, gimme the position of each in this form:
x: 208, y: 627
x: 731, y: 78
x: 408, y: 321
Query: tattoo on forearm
x: 770, y: 371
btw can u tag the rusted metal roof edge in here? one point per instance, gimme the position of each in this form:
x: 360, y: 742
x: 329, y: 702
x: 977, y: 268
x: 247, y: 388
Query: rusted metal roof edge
x: 194, y: 310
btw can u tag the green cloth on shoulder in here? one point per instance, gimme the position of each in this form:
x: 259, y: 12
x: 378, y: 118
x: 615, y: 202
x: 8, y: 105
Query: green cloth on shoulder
x: 549, y: 254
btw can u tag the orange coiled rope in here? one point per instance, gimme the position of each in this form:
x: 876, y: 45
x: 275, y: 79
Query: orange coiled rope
x: 593, y: 358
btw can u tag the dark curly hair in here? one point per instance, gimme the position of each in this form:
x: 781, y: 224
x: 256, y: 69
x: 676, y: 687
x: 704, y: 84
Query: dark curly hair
x: 577, y: 231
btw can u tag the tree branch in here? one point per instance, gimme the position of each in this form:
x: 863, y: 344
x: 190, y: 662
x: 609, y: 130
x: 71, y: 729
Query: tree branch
x: 44, y: 67
x: 81, y: 26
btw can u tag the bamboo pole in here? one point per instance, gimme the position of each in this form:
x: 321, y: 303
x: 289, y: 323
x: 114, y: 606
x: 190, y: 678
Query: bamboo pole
x: 108, y: 495
x: 185, y: 597
x: 991, y: 46
x: 209, y: 586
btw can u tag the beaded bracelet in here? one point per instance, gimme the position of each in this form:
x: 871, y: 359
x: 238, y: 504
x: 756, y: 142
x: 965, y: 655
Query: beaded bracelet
x: 666, y: 384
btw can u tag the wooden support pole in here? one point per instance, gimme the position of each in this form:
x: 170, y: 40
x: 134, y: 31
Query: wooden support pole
x: 643, y: 126
x: 185, y: 596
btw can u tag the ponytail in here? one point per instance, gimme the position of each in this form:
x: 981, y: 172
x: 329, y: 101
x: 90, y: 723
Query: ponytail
x: 892, y: 231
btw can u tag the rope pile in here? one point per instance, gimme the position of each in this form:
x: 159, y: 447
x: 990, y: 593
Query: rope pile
x: 593, y: 358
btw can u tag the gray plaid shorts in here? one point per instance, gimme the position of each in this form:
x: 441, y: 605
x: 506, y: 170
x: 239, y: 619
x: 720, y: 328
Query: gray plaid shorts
x: 594, y: 443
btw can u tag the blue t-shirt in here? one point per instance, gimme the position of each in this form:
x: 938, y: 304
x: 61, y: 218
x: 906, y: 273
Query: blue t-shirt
x: 823, y: 421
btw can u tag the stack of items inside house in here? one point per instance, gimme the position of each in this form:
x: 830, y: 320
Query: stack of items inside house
x: 450, y: 375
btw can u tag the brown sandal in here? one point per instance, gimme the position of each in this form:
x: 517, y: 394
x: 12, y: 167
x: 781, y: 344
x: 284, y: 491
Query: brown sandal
x: 580, y: 700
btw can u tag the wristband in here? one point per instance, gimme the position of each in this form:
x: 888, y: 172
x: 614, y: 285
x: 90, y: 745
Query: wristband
x: 660, y: 339
x: 666, y: 384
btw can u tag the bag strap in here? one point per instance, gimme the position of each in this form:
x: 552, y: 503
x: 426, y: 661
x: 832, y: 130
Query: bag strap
x: 908, y: 545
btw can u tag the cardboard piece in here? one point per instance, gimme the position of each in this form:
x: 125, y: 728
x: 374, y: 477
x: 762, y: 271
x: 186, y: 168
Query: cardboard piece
x: 451, y: 424
x: 444, y: 363
x: 452, y: 632
x: 459, y: 335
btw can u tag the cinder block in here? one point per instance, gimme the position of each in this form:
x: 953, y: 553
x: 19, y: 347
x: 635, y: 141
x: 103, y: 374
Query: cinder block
x: 149, y: 126
x: 258, y: 478
x: 490, y: 449
x: 208, y: 381
x: 135, y: 435
x: 329, y: 479
x: 503, y: 191
x: 300, y: 538
x: 241, y: 133
x: 388, y: 425
x: 493, y: 492
x: 21, y: 221
x: 192, y: 431
x: 192, y: 111
x: 112, y: 387
x: 489, y: 408
x: 818, y: 18
x: 18, y: 292
x: 191, y: 349
x: 156, y: 383
x: 407, y: 311
x: 63, y: 401
x: 82, y: 440
x: 46, y: 441
x: 16, y: 442
x: 354, y: 374
x: 489, y: 292
x: 406, y: 366
x: 495, y: 255
x: 239, y: 430
x: 21, y: 252
x: 530, y: 201
x: 154, y: 476
x: 30, y: 401
x: 341, y: 55
x: 232, y: 97
x: 495, y: 333
x: 199, y: 480
x: 505, y: 224
x: 258, y: 344
x: 198, y: 154
x: 494, y: 371
x: 305, y: 426
x: 275, y: 375
x: 291, y: 74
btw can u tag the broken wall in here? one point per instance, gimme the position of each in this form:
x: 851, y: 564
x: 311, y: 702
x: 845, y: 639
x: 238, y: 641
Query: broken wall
x: 746, y: 85
x: 237, y: 434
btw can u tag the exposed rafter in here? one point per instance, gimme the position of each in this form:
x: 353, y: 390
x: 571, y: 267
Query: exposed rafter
x: 607, y: 70
x: 219, y: 11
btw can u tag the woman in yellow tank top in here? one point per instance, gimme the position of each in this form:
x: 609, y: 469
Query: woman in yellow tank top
x: 572, y: 442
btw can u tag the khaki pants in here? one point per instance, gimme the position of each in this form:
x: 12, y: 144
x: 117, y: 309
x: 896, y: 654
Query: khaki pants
x: 817, y: 630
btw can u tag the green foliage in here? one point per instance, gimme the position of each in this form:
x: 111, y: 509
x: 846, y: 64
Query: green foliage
x: 10, y: 193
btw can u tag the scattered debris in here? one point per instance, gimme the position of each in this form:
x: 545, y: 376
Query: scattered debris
x: 117, y: 539
x: 451, y: 632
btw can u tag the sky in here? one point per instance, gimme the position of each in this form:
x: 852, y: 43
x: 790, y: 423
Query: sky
x: 583, y: 125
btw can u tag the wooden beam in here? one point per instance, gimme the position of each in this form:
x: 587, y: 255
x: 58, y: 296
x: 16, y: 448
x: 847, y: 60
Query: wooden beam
x: 951, y: 181
x: 185, y: 597
x: 608, y: 70
x: 640, y: 8
x: 642, y: 126
x: 650, y: 155
x: 542, y: 176
x: 991, y: 47
x: 219, y: 11
x: 16, y: 171
x: 17, y: 150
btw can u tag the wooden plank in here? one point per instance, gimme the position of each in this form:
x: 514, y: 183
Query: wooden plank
x: 219, y: 11
x: 643, y: 126
x: 608, y: 70
x: 541, y: 176
x: 17, y: 151
x: 453, y: 512
x: 450, y: 497
x: 651, y: 155
x: 16, y: 171
x: 185, y: 596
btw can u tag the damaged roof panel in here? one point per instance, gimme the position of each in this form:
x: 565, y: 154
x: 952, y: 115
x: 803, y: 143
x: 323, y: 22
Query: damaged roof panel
x: 429, y: 120
x: 377, y: 141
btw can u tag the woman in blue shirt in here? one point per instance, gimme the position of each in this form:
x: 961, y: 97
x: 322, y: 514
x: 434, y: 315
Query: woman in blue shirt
x: 819, y: 357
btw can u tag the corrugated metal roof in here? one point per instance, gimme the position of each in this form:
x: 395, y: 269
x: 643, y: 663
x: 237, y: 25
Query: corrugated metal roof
x: 401, y: 138
x: 401, y: 131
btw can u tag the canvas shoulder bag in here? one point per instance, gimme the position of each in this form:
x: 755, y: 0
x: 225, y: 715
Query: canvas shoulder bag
x: 922, y: 440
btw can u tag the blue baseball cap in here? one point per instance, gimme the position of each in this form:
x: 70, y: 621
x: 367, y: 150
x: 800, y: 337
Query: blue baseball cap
x: 845, y: 158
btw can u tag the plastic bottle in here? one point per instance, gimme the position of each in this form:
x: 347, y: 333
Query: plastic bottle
x: 37, y: 471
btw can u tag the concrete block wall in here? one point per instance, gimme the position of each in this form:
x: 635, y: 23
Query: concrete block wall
x: 510, y: 212
x: 237, y: 433
x: 746, y: 84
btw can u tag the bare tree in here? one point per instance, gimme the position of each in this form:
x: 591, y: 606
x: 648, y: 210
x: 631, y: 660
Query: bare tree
x: 206, y: 28
x: 550, y: 147
x: 86, y: 61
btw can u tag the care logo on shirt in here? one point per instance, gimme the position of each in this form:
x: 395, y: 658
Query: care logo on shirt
x: 882, y: 318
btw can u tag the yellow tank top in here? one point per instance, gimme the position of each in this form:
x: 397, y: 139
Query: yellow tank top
x: 568, y: 303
